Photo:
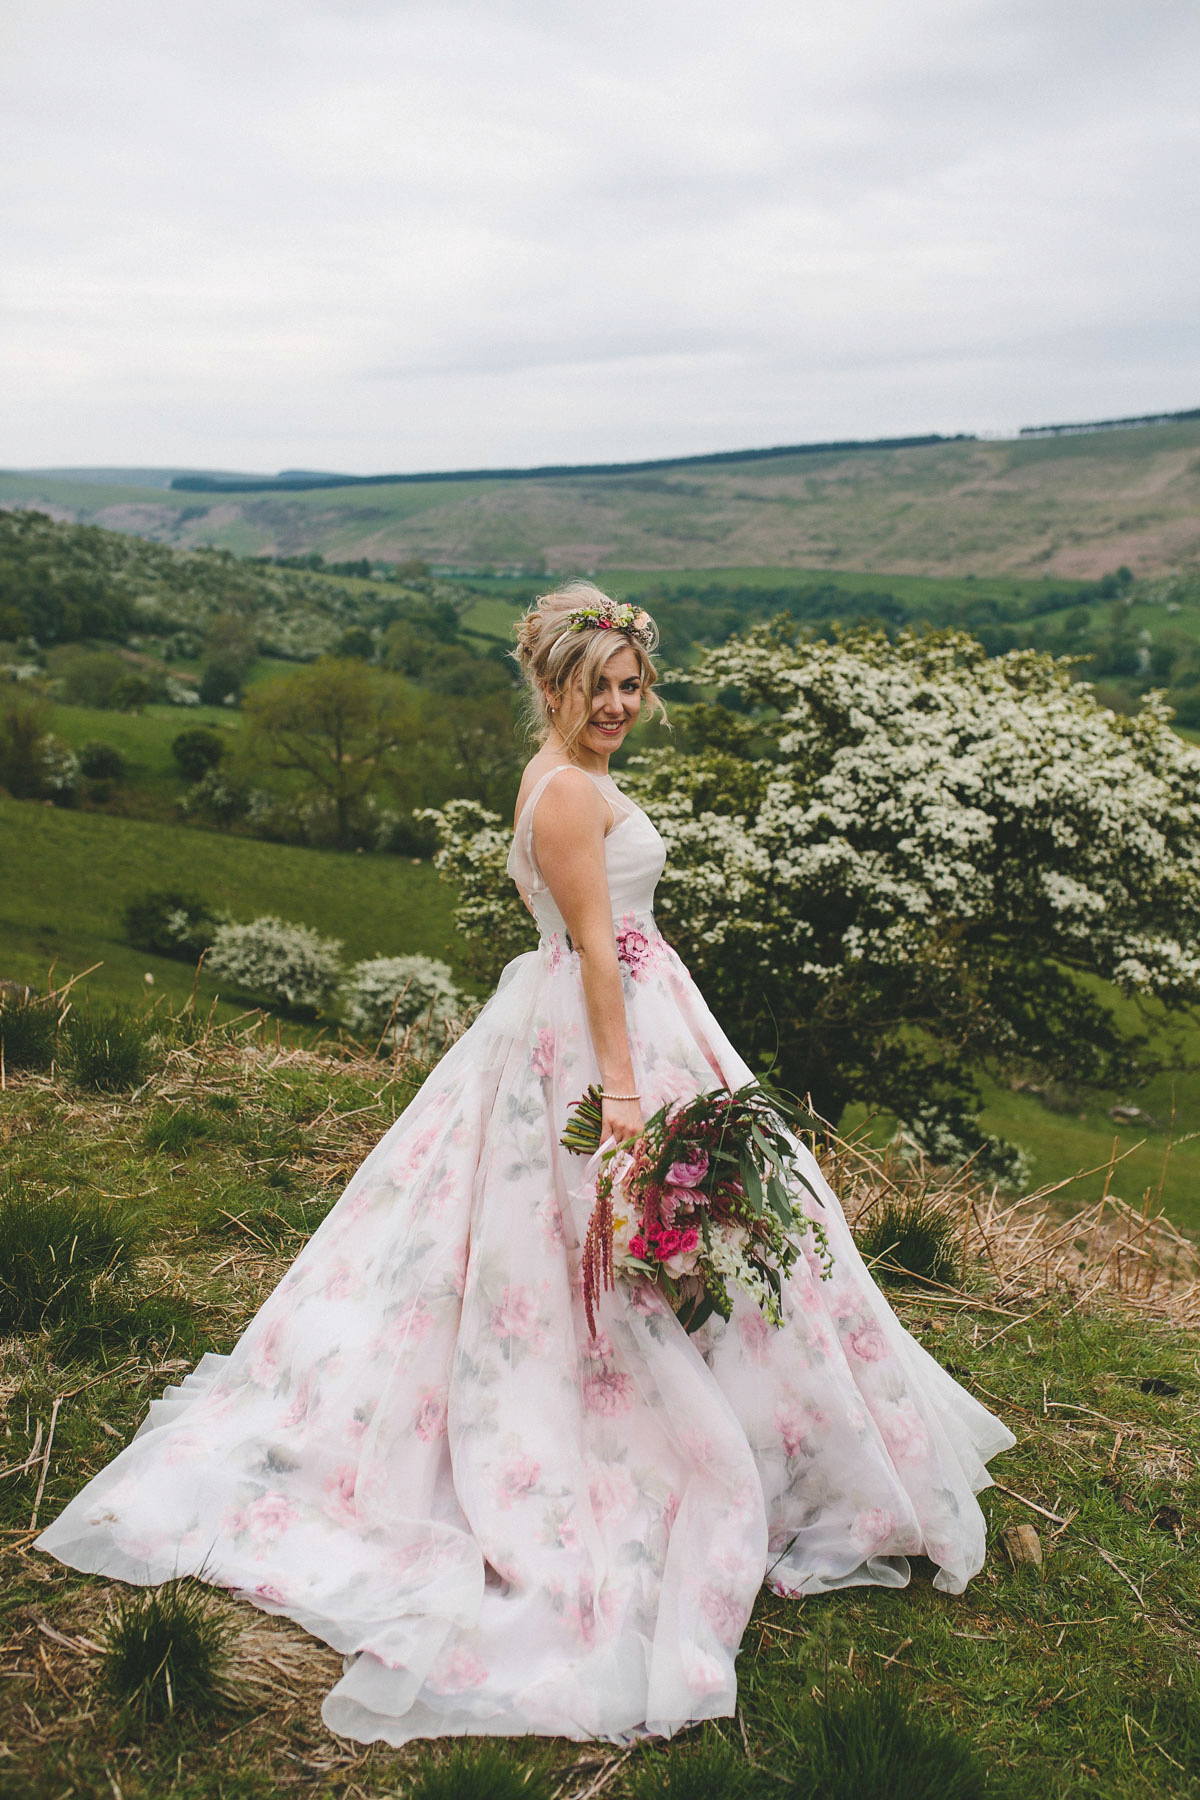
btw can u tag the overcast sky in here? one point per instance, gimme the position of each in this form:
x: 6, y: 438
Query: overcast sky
x: 375, y: 235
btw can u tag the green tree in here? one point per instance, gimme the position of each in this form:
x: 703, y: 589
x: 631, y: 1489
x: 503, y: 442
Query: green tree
x: 221, y: 680
x: 904, y: 864
x: 337, y: 726
x: 24, y: 722
x: 197, y: 750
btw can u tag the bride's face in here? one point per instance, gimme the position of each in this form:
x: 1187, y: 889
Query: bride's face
x: 613, y: 707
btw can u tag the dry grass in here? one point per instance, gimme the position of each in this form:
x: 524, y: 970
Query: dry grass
x: 1037, y: 1248
x: 1106, y: 1468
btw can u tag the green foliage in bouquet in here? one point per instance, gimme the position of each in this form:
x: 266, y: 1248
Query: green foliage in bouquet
x: 715, y: 1187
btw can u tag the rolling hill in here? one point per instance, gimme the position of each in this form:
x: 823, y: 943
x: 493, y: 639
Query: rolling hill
x: 1069, y: 506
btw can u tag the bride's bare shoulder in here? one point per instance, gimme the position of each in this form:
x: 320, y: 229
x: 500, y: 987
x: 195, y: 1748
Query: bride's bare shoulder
x: 567, y: 805
x: 574, y: 782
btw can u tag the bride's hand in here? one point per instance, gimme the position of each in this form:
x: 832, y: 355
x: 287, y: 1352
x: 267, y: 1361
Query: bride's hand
x: 620, y: 1120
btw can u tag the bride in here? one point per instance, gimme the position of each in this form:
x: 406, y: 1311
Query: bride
x: 418, y: 1451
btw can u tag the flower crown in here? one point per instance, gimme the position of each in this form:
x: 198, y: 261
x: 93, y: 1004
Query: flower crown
x: 613, y: 616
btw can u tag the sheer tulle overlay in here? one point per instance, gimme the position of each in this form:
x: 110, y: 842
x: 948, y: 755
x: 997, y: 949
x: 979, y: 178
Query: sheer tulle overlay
x: 417, y: 1451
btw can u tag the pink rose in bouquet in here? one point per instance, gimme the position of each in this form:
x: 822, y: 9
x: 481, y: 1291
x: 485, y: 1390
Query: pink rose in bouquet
x: 710, y: 1194
x: 689, y: 1172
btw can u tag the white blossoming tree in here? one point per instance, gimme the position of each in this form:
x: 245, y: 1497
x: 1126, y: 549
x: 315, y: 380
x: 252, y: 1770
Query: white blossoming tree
x: 384, y: 995
x: 906, y: 862
x: 277, y: 961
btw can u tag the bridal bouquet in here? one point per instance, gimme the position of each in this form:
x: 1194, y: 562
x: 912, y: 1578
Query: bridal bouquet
x: 701, y: 1199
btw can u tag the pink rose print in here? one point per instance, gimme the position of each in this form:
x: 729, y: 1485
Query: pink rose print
x: 452, y: 1674
x: 725, y: 1612
x: 549, y: 1220
x: 343, y: 1281
x: 297, y: 1412
x: 633, y: 948
x: 705, y: 1675
x: 264, y: 1520
x: 795, y: 1425
x: 670, y: 1512
x: 182, y: 1446
x: 431, y: 1416
x: 567, y: 1534
x: 611, y: 1492
x: 598, y: 1348
x: 689, y: 1173
x: 264, y: 1360
x: 905, y: 1435
x: 755, y: 1333
x: 516, y: 1480
x: 872, y: 1529
x: 541, y: 1060
x: 868, y: 1343
x: 266, y: 1590
x: 516, y: 1316
x: 411, y: 1325
x: 608, y: 1392
x: 339, y: 1493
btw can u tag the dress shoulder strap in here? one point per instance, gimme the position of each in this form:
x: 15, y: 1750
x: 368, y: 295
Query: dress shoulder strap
x: 522, y: 859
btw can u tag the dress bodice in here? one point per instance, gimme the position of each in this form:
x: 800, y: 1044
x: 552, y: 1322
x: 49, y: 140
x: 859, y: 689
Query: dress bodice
x: 634, y: 856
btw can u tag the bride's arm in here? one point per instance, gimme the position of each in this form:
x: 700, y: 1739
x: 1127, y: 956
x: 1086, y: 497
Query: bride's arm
x: 568, y: 830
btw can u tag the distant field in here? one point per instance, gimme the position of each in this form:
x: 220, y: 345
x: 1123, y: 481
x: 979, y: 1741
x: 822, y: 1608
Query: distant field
x: 1067, y: 507
x: 144, y: 740
x: 68, y: 875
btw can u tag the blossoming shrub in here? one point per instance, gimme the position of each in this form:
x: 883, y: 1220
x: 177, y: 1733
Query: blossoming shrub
x: 281, y: 963
x: 473, y: 851
x: 386, y: 994
x: 905, y: 862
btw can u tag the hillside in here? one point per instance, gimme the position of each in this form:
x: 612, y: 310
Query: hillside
x: 1075, y: 1680
x: 1071, y: 507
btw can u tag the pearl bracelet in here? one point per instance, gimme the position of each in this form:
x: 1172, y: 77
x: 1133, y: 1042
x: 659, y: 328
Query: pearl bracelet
x: 604, y: 1096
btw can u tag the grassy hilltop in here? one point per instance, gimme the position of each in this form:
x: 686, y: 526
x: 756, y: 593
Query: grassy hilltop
x: 1069, y: 507
x: 1075, y: 1678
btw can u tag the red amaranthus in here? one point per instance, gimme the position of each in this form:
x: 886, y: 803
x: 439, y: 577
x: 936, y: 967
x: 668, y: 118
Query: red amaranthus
x: 711, y: 1194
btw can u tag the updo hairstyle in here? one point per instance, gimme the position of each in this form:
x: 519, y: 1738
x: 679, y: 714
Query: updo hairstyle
x: 554, y: 658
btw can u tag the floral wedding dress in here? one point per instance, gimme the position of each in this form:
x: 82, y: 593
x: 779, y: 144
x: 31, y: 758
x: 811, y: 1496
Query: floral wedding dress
x: 418, y: 1453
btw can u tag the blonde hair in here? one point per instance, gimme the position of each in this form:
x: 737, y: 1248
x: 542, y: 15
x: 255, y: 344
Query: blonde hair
x: 554, y: 657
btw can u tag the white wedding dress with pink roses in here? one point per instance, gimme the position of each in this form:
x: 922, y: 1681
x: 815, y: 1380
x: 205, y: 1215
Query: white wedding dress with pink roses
x: 418, y: 1453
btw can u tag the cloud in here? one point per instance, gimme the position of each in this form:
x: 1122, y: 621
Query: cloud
x: 392, y: 235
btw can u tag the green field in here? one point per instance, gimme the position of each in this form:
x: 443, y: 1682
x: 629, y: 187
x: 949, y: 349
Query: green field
x: 1073, y: 1680
x: 65, y: 878
x: 1070, y: 507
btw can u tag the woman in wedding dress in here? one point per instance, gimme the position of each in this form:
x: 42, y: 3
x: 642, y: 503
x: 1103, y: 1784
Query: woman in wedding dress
x: 418, y: 1451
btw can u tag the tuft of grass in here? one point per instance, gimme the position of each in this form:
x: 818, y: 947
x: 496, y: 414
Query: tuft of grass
x: 868, y: 1745
x: 108, y: 1050
x: 166, y: 1325
x: 706, y: 1769
x: 28, y: 1032
x: 273, y: 1220
x: 481, y: 1771
x: 910, y: 1240
x: 167, y: 1655
x: 55, y: 1252
x: 174, y: 1128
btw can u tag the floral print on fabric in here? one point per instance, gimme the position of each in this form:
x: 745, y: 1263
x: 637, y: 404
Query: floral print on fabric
x: 418, y: 1452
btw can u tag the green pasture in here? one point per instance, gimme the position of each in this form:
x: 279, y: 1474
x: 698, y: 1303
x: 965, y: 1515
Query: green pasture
x: 144, y: 740
x: 1074, y: 1678
x: 65, y: 878
x: 1073, y: 507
